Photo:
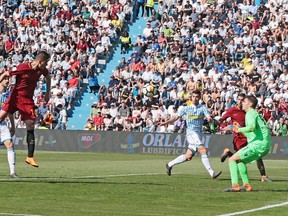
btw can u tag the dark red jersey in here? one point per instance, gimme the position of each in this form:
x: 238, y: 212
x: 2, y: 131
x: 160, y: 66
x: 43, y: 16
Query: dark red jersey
x: 237, y: 115
x: 26, y: 80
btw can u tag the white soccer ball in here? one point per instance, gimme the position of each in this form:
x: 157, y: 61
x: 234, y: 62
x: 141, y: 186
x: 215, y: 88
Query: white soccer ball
x: 148, y: 90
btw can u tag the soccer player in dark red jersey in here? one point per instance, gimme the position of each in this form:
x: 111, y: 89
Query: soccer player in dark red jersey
x: 239, y: 140
x: 21, y: 98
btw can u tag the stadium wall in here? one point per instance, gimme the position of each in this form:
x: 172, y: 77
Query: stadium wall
x: 132, y: 142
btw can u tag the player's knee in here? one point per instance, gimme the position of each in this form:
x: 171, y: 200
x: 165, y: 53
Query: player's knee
x: 29, y: 124
x: 231, y: 159
x: 202, y: 150
x: 189, y: 156
x: 9, y: 144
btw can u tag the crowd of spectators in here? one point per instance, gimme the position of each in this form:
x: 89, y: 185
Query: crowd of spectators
x: 76, y: 33
x: 220, y: 47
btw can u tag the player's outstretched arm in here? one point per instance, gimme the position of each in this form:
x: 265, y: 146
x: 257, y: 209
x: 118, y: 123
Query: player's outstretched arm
x: 171, y: 120
x: 250, y: 122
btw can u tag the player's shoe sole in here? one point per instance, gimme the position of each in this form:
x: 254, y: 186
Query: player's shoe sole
x: 234, y: 188
x: 265, y: 179
x: 224, y: 154
x: 168, y: 169
x: 216, y: 175
x: 31, y: 161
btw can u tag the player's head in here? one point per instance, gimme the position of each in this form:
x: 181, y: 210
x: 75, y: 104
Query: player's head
x: 240, y: 99
x: 195, y: 97
x: 249, y: 102
x: 42, y: 59
x: 5, y: 82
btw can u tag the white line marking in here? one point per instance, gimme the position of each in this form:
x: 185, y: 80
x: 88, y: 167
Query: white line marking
x: 11, y: 214
x: 256, y: 209
x: 120, y: 175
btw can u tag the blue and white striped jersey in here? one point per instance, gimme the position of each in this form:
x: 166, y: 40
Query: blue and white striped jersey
x: 195, y: 117
x: 4, y: 97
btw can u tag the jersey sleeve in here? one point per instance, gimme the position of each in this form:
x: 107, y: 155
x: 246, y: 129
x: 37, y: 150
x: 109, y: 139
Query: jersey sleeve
x: 183, y: 111
x: 20, y: 69
x: 250, y: 121
x: 226, y: 115
x: 206, y: 111
x: 16, y: 71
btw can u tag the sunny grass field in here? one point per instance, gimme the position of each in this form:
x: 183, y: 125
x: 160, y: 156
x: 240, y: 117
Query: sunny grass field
x: 123, y: 184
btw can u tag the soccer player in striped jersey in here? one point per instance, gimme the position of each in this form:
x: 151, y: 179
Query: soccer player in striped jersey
x: 5, y: 133
x: 195, y: 117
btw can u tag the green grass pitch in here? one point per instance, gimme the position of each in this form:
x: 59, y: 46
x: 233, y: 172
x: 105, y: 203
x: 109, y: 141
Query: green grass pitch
x: 131, y: 184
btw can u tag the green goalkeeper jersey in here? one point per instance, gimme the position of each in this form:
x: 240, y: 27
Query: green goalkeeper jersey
x: 256, y: 130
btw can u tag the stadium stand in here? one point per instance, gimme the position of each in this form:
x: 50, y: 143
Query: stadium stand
x: 219, y: 47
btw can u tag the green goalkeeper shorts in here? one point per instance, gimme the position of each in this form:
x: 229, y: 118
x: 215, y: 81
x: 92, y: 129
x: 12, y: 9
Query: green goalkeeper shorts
x: 251, y: 153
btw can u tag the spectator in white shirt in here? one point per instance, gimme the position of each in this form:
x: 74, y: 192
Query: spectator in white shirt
x: 147, y: 30
x: 23, y: 36
x: 147, y: 75
x: 65, y: 64
x: 113, y: 110
x: 54, y: 21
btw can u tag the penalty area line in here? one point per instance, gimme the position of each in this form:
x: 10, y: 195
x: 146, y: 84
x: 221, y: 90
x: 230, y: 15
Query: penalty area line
x: 12, y: 214
x: 256, y: 209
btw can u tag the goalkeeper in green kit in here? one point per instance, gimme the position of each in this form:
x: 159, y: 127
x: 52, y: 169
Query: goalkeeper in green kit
x: 259, y: 141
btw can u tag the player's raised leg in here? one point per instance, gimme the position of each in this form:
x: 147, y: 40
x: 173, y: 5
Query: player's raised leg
x: 180, y: 159
x: 31, y: 143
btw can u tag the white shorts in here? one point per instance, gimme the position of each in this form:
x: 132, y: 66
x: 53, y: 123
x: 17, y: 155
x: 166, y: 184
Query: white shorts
x: 4, y: 134
x: 194, y: 140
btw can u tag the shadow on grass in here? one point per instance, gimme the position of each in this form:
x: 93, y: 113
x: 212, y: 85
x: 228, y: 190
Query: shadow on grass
x: 282, y: 191
x: 251, y: 179
x: 256, y: 191
x: 48, y: 180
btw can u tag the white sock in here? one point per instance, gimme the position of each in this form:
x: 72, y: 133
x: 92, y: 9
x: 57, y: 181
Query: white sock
x: 207, y: 165
x: 11, y: 159
x: 178, y: 160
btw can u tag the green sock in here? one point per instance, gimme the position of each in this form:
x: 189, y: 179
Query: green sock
x: 243, y: 172
x: 233, y: 172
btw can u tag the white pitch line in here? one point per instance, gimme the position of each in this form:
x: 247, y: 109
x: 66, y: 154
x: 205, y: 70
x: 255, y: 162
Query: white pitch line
x: 121, y: 175
x: 11, y: 214
x: 256, y: 209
